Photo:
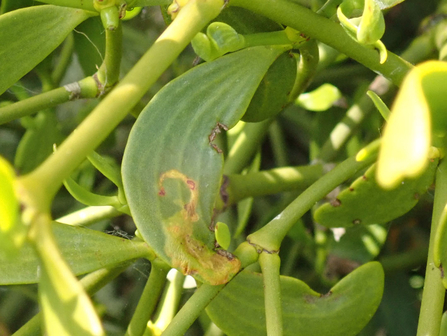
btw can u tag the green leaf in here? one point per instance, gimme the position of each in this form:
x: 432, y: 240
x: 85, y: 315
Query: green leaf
x: 67, y: 309
x: 223, y: 235
x: 372, y: 25
x: 29, y: 35
x: 365, y: 202
x: 12, y: 231
x: 360, y: 243
x: 142, y: 3
x: 239, y: 308
x: 85, y: 250
x: 172, y: 169
x: 272, y: 94
x: 417, y: 118
x: 107, y: 167
x: 87, y: 197
x: 320, y: 99
x: 10, y: 5
x: 43, y: 132
x: 90, y: 45
x: 380, y: 105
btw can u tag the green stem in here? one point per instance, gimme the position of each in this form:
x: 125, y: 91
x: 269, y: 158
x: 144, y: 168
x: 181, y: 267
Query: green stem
x: 270, y: 38
x: 43, y: 183
x: 91, y: 283
x: 192, y: 309
x: 85, y: 88
x: 64, y: 60
x: 89, y: 215
x: 434, y: 291
x: 278, y: 143
x: 245, y: 146
x: 148, y: 300
x: 270, y: 265
x: 271, y: 235
x: 307, y: 67
x: 171, y: 300
x: 108, y: 73
x: 271, y: 181
x: 323, y: 29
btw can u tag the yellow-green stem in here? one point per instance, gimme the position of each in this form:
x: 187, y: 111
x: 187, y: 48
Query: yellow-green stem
x: 270, y: 264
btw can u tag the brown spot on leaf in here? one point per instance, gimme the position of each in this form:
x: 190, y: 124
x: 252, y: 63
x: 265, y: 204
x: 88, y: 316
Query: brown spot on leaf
x: 162, y: 192
x: 365, y: 178
x: 351, y: 189
x: 336, y: 203
x: 191, y: 184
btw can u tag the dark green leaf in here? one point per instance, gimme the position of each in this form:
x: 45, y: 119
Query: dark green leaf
x: 364, y: 202
x: 343, y: 311
x: 172, y: 169
x: 29, y: 35
x: 85, y: 250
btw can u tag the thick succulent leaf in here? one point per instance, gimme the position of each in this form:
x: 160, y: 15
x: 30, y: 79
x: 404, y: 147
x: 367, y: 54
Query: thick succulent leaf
x: 142, y: 3
x: 42, y: 133
x: 360, y: 243
x: 372, y: 26
x: 12, y: 231
x: 85, y: 250
x: 247, y: 22
x: 90, y: 45
x: 172, y: 169
x: 67, y: 309
x: 365, y: 202
x: 29, y: 35
x: 272, y: 94
x: 417, y: 115
x: 10, y: 5
x: 344, y: 311
x: 320, y: 99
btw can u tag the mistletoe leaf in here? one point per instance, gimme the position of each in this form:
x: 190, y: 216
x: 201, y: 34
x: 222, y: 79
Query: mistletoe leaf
x: 172, y: 169
x: 29, y: 35
x: 365, y: 202
x: 239, y: 308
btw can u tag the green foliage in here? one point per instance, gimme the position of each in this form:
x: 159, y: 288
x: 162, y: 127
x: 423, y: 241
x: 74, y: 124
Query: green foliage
x: 344, y: 310
x: 26, y: 33
x: 220, y: 170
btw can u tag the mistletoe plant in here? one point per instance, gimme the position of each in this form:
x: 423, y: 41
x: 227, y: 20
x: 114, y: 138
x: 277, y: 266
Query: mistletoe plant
x: 272, y: 105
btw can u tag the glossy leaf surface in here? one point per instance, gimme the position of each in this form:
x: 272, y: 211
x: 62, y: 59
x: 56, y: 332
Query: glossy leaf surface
x: 344, y: 311
x: 365, y: 202
x: 84, y: 250
x: 417, y: 118
x: 12, y: 231
x: 29, y: 35
x: 273, y: 93
x: 172, y: 169
x: 319, y: 99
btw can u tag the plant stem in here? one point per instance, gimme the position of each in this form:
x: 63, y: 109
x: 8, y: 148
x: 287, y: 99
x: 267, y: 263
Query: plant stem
x: 307, y: 68
x: 89, y: 215
x: 148, y: 299
x: 91, y: 283
x: 85, y: 88
x: 245, y: 146
x: 271, y: 181
x: 434, y: 291
x: 271, y: 235
x: 43, y: 183
x: 270, y: 264
x: 192, y: 309
x: 323, y: 29
x: 108, y: 73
